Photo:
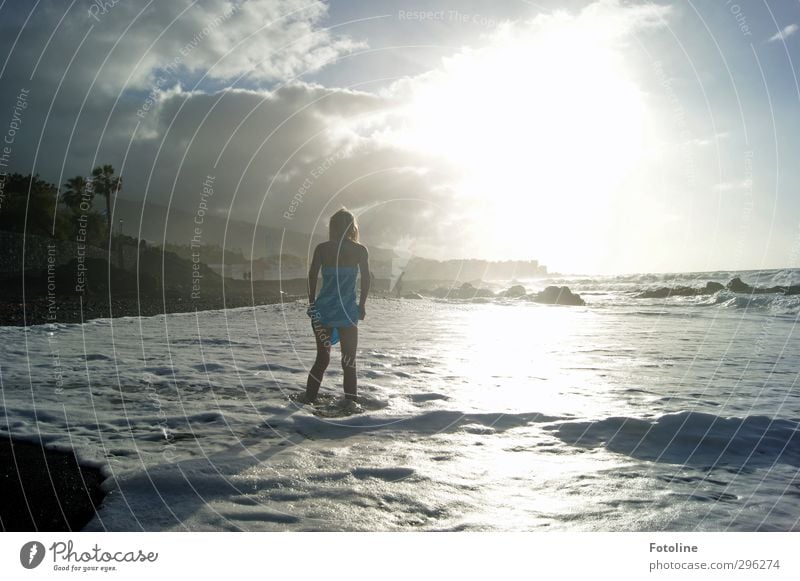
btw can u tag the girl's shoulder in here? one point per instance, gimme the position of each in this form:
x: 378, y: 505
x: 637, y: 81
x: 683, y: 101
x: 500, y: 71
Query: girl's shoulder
x: 347, y: 245
x: 325, y: 247
x: 349, y: 253
x: 360, y: 251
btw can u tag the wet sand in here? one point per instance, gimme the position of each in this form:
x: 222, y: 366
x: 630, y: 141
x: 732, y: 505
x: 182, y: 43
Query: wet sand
x: 45, y: 490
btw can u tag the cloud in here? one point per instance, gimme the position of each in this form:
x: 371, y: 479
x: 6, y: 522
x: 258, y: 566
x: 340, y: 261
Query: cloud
x: 127, y: 90
x: 122, y: 89
x: 264, y: 40
x: 90, y: 75
x: 706, y: 141
x: 784, y: 34
x: 733, y: 186
x: 301, y: 142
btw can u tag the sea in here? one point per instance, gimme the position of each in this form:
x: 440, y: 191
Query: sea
x: 485, y: 414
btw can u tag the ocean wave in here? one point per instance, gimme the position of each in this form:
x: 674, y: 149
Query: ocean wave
x: 752, y: 290
x: 776, y: 304
x: 639, y: 282
x: 692, y: 438
x: 776, y: 277
x: 429, y: 422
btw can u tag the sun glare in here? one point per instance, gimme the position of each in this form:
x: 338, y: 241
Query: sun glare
x: 543, y: 128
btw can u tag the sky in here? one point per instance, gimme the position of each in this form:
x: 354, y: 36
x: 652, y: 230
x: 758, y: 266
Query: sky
x: 597, y: 137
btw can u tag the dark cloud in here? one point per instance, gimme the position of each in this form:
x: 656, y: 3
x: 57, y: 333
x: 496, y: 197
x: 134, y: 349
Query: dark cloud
x: 170, y: 93
x: 133, y: 85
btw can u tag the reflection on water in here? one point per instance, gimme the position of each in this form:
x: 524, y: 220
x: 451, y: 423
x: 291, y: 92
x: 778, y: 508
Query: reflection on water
x: 504, y: 416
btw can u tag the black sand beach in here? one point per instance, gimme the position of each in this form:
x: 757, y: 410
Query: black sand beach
x: 45, y: 490
x: 38, y: 310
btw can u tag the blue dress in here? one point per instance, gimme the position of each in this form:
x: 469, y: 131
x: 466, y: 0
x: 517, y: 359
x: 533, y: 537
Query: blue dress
x: 336, y: 304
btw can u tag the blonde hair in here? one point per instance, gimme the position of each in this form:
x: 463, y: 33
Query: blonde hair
x: 343, y: 225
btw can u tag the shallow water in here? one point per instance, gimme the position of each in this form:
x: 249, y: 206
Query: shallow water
x: 500, y: 414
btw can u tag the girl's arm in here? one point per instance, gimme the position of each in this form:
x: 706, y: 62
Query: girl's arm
x: 366, y: 278
x: 313, y: 273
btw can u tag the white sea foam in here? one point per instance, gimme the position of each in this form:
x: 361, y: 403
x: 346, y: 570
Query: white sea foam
x: 477, y: 416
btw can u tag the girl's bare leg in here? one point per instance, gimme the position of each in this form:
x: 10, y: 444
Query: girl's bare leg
x: 349, y: 339
x: 323, y: 339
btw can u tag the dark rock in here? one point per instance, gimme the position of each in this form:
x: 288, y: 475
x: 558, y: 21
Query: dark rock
x: 784, y: 290
x: 658, y: 293
x: 558, y: 295
x: 737, y: 286
x: 666, y: 291
x: 465, y: 291
x: 680, y: 291
x: 515, y: 291
x: 468, y: 291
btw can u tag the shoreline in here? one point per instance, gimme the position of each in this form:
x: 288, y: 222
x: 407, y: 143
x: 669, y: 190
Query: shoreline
x: 69, y: 311
x: 45, y: 490
x: 37, y: 311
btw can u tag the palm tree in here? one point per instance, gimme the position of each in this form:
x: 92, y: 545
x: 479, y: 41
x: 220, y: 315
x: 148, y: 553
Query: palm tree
x: 107, y: 185
x: 76, y: 191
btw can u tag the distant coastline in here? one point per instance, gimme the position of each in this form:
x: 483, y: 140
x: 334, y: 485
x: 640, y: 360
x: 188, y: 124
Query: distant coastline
x: 56, y: 285
x: 52, y: 280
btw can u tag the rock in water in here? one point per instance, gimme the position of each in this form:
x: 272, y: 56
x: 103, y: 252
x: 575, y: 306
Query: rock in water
x: 468, y: 291
x: 515, y: 291
x: 558, y: 295
x: 737, y: 286
x: 679, y: 291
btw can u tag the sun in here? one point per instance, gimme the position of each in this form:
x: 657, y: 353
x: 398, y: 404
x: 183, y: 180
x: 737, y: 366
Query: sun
x: 542, y: 126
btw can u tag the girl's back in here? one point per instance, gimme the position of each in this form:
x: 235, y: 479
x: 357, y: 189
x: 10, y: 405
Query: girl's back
x: 346, y: 253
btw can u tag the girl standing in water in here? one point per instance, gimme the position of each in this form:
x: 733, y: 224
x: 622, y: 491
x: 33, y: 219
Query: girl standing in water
x: 335, y: 312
